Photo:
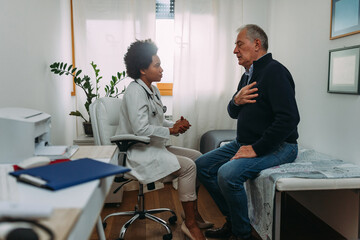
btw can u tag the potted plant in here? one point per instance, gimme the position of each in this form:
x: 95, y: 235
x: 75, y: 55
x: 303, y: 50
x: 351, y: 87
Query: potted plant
x: 86, y: 85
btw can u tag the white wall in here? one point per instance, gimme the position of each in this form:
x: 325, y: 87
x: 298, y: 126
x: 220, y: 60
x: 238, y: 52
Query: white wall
x: 33, y: 35
x: 299, y: 38
x: 256, y: 12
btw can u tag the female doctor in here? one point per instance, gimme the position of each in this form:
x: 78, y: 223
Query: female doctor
x: 142, y: 114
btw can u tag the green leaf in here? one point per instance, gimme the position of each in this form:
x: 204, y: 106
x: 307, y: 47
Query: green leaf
x: 77, y: 81
x: 76, y: 113
x: 85, y: 82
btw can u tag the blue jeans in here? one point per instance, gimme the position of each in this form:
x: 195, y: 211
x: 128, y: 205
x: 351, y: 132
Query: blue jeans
x: 225, y: 179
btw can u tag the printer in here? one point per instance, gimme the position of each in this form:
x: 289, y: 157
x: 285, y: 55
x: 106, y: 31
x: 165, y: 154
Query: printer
x: 22, y: 131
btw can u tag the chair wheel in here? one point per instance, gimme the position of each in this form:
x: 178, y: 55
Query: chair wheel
x: 173, y: 219
x: 104, y: 225
x: 167, y: 236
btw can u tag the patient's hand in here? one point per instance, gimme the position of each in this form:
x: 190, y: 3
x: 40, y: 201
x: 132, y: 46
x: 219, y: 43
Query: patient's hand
x: 246, y: 94
x: 246, y: 151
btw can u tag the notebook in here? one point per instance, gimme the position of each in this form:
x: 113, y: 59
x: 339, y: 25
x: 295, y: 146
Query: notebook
x: 66, y: 174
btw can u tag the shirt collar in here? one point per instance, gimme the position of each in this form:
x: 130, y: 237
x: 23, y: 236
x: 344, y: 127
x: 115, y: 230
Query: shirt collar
x: 249, y: 72
x: 154, y: 94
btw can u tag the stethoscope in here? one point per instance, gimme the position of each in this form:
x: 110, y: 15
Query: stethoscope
x: 152, y: 106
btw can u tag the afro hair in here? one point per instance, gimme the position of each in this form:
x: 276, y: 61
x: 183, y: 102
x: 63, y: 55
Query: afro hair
x: 139, y: 56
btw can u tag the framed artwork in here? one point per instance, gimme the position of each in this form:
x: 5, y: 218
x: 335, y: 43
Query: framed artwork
x: 344, y: 70
x: 345, y: 18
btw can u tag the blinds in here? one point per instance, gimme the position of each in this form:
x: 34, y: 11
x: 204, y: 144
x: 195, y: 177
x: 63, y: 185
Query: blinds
x: 165, y: 9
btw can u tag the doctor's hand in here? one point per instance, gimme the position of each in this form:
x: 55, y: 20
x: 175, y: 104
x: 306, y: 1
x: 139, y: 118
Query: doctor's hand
x: 246, y: 94
x: 246, y: 151
x: 180, y: 126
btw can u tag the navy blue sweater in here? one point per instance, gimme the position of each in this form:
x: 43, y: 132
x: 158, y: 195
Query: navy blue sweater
x: 273, y: 119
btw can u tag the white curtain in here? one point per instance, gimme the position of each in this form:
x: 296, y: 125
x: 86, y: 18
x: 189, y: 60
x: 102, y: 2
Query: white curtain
x: 206, y: 72
x: 103, y: 30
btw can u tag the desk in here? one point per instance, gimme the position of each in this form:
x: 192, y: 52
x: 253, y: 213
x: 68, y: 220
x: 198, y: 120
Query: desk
x: 77, y: 208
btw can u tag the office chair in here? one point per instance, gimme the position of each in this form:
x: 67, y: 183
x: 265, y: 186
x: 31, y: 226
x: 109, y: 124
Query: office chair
x: 105, y: 116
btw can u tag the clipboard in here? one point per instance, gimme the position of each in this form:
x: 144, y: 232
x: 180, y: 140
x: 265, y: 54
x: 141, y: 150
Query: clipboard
x: 67, y: 174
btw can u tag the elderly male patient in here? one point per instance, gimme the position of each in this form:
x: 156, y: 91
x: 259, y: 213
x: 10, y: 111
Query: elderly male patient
x: 267, y: 117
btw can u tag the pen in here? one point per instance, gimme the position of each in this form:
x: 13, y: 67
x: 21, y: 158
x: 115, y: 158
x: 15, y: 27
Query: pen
x: 32, y: 180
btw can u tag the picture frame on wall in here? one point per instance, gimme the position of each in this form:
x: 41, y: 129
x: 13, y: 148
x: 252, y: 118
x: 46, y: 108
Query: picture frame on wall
x: 344, y: 70
x: 345, y: 18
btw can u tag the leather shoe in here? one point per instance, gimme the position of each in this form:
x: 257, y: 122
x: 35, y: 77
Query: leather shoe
x: 223, y: 232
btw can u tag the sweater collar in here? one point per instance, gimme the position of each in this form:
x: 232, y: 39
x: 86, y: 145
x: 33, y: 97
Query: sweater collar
x: 265, y: 59
x: 258, y: 64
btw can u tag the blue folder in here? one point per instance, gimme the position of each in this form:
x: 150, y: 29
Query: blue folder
x: 66, y: 174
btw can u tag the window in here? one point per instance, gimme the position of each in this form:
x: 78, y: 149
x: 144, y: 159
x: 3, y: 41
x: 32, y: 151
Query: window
x: 165, y: 9
x: 165, y: 42
x: 165, y: 37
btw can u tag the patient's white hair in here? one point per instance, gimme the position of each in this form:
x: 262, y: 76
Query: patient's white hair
x: 255, y: 32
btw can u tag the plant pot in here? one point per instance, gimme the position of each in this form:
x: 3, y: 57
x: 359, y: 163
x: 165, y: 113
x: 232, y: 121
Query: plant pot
x: 88, y: 129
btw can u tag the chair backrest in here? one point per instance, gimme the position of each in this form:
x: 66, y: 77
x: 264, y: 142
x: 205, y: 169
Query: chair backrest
x: 105, y: 117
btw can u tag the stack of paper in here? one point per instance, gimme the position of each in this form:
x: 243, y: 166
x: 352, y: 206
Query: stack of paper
x: 55, y: 152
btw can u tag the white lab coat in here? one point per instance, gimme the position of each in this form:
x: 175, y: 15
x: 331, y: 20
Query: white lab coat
x: 142, y: 114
